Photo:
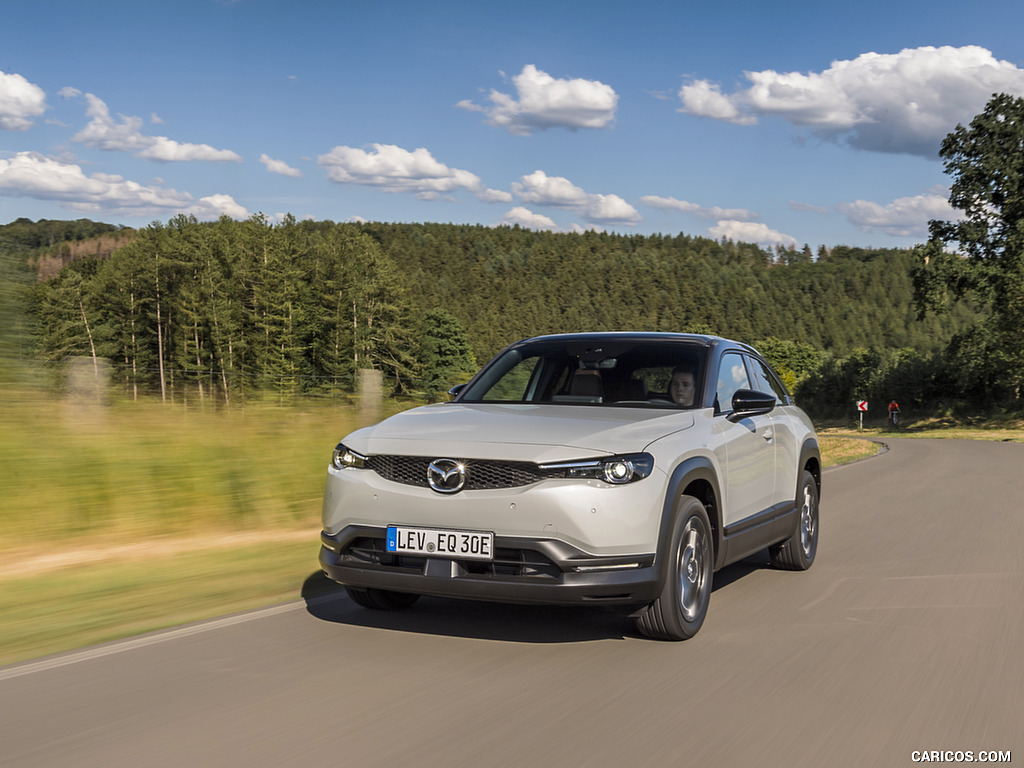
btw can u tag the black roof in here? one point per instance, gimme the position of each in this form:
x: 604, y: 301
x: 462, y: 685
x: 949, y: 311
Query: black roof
x: 640, y: 336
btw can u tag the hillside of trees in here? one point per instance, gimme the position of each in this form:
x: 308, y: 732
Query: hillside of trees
x: 506, y: 283
x: 190, y: 309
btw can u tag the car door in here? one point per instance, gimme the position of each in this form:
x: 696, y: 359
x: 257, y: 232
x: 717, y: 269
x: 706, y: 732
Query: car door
x: 746, y: 451
x: 786, y: 450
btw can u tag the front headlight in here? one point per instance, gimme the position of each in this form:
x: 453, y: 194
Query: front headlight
x: 346, y: 458
x: 616, y: 470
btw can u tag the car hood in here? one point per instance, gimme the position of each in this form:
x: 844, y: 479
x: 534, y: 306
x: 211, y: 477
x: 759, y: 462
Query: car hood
x: 518, y: 432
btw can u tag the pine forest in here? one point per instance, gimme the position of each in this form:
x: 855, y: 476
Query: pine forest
x: 221, y: 310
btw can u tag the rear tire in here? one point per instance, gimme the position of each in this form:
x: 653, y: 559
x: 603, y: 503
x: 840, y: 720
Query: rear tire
x: 679, y: 611
x: 381, y: 599
x: 797, y: 552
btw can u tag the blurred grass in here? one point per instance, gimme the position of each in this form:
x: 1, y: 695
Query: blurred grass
x: 125, y: 517
x: 74, y: 471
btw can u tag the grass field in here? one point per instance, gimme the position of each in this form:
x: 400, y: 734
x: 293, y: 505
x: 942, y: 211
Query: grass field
x: 133, y: 470
x: 130, y: 517
x: 1008, y: 429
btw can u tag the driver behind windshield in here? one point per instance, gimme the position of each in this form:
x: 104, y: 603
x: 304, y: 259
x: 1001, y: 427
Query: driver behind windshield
x: 682, y: 386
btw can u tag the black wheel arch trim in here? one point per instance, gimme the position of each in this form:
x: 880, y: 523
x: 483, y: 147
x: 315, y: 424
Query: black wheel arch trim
x: 810, y: 456
x: 695, y: 468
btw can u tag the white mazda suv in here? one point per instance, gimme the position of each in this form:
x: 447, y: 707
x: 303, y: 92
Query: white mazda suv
x: 597, y: 468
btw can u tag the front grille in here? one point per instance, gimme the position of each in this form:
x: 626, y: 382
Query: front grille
x: 481, y: 474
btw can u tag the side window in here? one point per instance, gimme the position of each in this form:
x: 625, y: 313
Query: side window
x: 732, y: 375
x: 765, y: 381
x: 511, y: 387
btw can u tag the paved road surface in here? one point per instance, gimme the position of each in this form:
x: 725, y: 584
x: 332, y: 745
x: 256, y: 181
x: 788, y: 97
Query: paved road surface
x: 907, y: 635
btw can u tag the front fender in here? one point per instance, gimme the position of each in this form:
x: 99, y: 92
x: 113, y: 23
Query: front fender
x: 699, y: 473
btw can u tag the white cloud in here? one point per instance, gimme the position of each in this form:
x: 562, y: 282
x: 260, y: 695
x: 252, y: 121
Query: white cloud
x: 903, y: 103
x: 125, y: 135
x: 29, y: 174
x: 543, y: 101
x: 495, y: 196
x: 20, y: 101
x: 558, y: 191
x: 904, y: 217
x: 280, y: 167
x: 538, y: 188
x: 214, y: 206
x: 672, y: 204
x: 67, y: 92
x: 705, y: 99
x: 524, y: 217
x: 393, y: 169
x: 750, y: 232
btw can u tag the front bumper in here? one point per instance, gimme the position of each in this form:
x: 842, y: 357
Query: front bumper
x: 524, y: 570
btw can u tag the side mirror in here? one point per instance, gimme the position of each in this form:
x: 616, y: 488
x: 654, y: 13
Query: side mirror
x: 454, y: 391
x: 749, y: 402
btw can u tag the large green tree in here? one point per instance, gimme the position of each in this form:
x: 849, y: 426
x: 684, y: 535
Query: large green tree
x: 445, y: 357
x: 981, y: 254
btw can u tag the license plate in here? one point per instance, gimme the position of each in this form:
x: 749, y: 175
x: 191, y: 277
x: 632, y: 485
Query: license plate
x: 435, y: 542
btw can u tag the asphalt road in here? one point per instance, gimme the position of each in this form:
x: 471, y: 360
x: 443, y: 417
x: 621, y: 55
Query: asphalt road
x: 906, y: 635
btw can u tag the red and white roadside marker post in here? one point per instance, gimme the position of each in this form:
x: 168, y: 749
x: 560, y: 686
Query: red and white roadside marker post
x: 862, y: 407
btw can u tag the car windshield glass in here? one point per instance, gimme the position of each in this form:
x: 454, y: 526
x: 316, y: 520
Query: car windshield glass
x: 615, y: 372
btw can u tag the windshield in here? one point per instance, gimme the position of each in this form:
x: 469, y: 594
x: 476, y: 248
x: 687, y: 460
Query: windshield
x: 594, y: 372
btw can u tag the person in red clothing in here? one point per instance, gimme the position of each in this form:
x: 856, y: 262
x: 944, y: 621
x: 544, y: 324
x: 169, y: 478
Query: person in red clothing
x: 894, y: 413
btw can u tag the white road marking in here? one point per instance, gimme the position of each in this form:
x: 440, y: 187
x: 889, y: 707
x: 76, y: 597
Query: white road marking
x: 163, y: 636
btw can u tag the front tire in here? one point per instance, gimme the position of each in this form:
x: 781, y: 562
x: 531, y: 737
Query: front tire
x: 797, y: 552
x: 381, y: 599
x: 679, y: 611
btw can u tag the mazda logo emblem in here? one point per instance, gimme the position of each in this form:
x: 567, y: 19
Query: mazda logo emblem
x: 446, y: 475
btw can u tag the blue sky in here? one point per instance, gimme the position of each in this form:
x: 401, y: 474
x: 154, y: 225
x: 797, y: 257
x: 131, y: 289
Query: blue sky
x: 779, y: 123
